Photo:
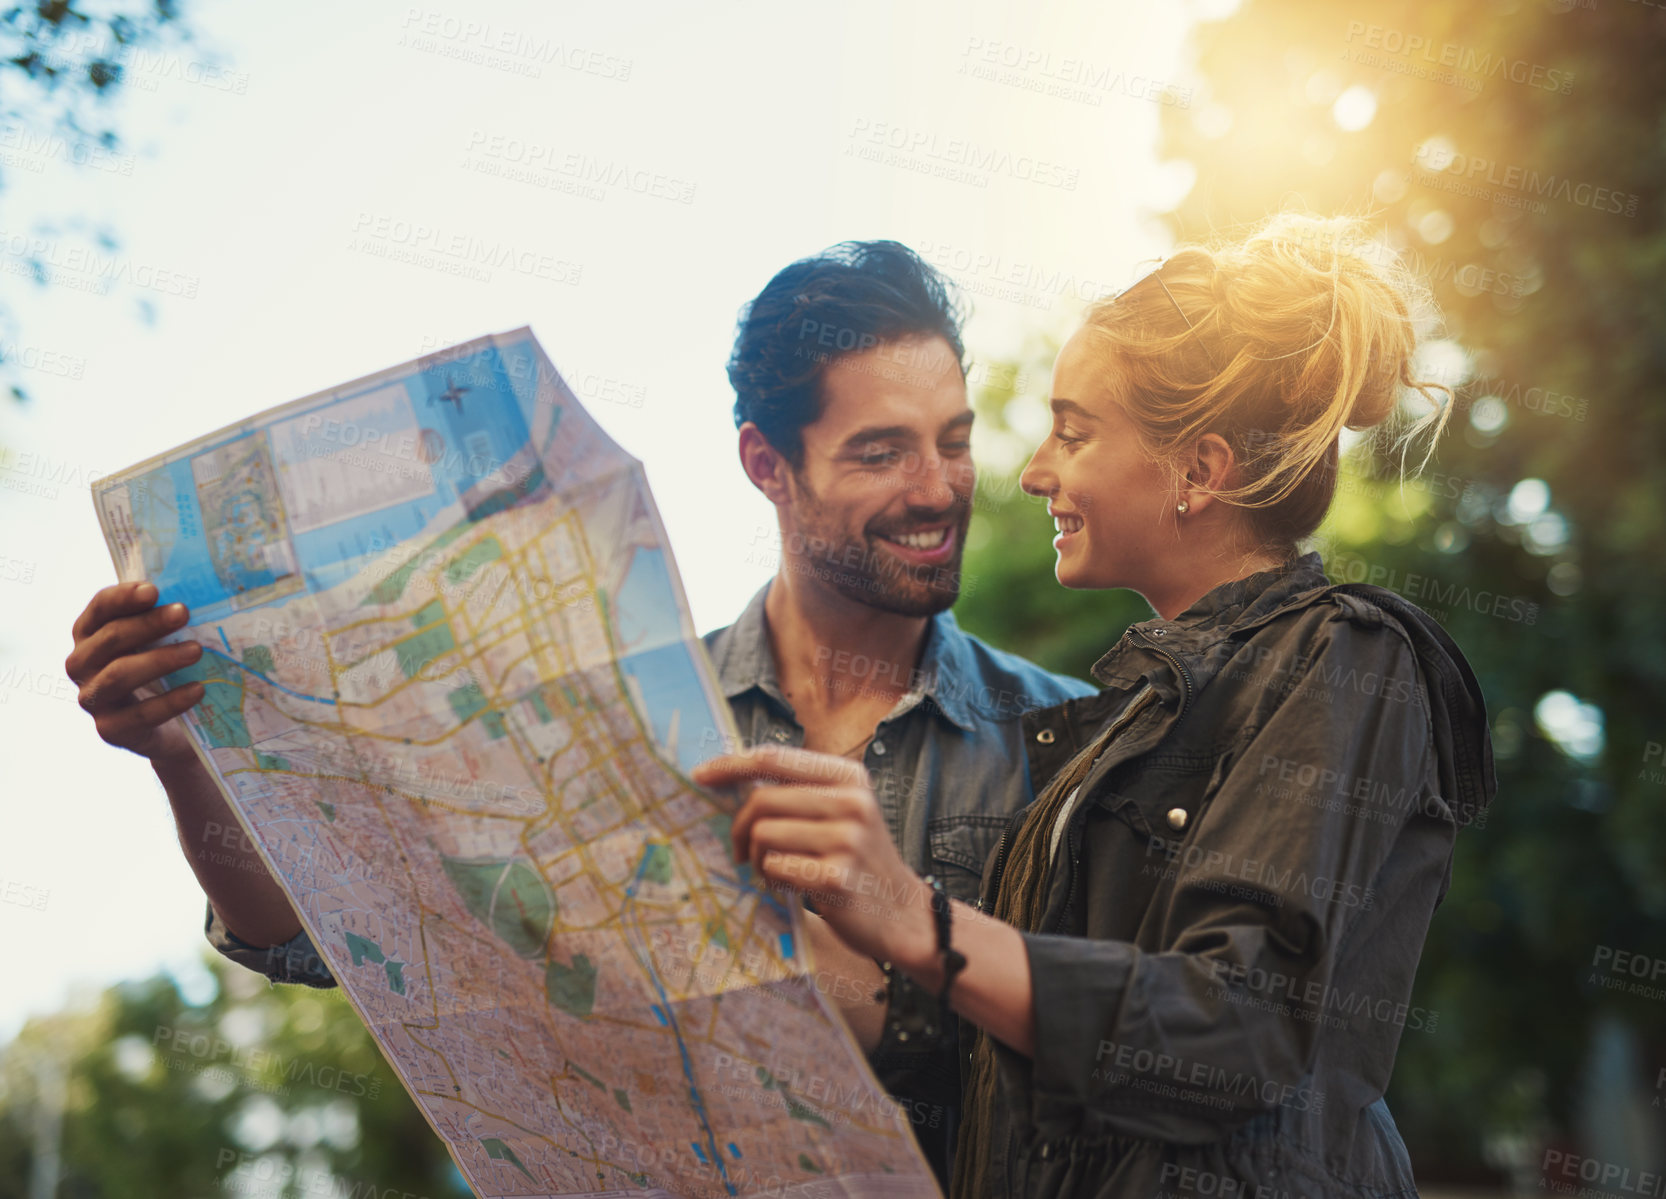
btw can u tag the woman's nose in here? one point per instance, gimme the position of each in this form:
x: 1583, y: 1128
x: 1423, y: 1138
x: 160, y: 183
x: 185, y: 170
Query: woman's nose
x: 1036, y: 479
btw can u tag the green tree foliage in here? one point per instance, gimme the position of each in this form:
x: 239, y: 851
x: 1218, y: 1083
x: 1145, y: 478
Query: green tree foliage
x: 1512, y: 153
x: 258, y: 1091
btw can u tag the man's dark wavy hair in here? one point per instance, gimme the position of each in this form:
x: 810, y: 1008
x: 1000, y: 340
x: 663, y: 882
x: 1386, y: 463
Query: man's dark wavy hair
x: 849, y: 298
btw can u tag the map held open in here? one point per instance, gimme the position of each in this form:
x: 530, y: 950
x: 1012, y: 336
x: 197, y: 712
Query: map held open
x: 453, y: 693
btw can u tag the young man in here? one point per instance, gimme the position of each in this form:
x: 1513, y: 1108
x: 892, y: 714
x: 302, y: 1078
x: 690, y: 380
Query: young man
x: 851, y: 404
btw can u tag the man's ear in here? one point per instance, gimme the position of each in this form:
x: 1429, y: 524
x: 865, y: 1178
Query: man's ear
x: 764, y: 464
x: 1207, y: 470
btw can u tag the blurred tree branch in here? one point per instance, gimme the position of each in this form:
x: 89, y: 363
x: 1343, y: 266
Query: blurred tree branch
x: 63, y: 67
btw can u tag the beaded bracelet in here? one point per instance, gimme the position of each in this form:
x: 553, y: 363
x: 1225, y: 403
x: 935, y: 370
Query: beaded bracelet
x: 953, y: 963
x: 953, y: 960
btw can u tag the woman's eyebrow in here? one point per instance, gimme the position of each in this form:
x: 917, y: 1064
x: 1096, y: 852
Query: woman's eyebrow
x: 1064, y: 407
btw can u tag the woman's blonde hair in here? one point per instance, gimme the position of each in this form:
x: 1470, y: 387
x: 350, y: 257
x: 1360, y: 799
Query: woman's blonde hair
x: 1277, y: 342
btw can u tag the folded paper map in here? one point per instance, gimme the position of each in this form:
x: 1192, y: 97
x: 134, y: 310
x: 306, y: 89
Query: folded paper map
x: 453, y: 693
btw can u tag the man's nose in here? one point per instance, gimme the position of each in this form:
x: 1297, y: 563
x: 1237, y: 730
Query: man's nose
x: 933, y: 481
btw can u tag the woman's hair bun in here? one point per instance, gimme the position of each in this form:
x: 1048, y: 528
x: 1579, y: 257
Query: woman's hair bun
x: 1330, y: 313
x: 1278, y: 340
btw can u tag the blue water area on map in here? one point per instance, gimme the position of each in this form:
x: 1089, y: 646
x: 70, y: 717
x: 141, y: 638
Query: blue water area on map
x: 670, y: 683
x: 519, y: 365
x: 164, y: 498
x: 645, y: 608
x: 486, y: 423
x: 478, y: 431
x: 645, y: 614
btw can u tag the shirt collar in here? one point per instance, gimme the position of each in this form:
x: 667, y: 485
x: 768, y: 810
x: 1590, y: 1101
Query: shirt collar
x: 946, y: 674
x: 948, y: 670
x: 744, y: 661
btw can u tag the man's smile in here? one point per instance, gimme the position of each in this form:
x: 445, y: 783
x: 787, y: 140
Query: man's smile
x: 929, y: 546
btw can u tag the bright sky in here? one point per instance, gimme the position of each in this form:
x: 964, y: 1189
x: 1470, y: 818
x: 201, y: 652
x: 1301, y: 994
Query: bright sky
x: 266, y: 211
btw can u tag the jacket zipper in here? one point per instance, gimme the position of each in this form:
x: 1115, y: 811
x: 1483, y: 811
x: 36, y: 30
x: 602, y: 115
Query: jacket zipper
x: 1000, y: 860
x: 1186, y: 683
x: 1133, y: 709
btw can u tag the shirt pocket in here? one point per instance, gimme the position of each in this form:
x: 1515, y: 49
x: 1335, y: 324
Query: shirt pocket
x: 1160, y: 808
x: 1158, y: 805
x: 961, y: 847
x: 1161, y: 798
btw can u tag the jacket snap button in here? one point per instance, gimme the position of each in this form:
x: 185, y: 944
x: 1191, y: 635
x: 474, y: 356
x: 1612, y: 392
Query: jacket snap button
x: 1177, y: 818
x: 1045, y: 736
x: 1159, y: 632
x: 879, y: 747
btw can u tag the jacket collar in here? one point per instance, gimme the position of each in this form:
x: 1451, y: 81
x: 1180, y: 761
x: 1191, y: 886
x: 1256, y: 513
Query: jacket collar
x: 946, y: 673
x: 1193, y: 643
x: 1235, y: 606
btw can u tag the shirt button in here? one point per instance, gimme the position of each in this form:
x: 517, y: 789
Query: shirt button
x: 879, y: 747
x: 1177, y: 818
x: 778, y: 734
x: 1045, y: 736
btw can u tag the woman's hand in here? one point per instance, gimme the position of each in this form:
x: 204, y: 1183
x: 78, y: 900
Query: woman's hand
x: 810, y: 822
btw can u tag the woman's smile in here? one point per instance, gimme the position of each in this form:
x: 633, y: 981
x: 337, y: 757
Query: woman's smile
x: 1068, y: 525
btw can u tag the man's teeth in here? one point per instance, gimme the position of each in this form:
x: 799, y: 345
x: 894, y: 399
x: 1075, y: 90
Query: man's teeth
x: 921, y: 541
x: 1066, y: 523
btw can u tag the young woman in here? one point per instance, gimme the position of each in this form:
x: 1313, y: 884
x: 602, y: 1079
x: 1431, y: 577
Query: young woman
x: 1206, y: 926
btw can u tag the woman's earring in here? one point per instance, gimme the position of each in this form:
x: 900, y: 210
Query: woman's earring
x: 1182, y: 507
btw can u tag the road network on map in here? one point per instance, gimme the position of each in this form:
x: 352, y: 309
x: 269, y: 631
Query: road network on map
x: 462, y: 743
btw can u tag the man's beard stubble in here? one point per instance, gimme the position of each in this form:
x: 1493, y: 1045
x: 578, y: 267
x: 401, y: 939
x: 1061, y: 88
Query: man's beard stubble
x: 860, y: 569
